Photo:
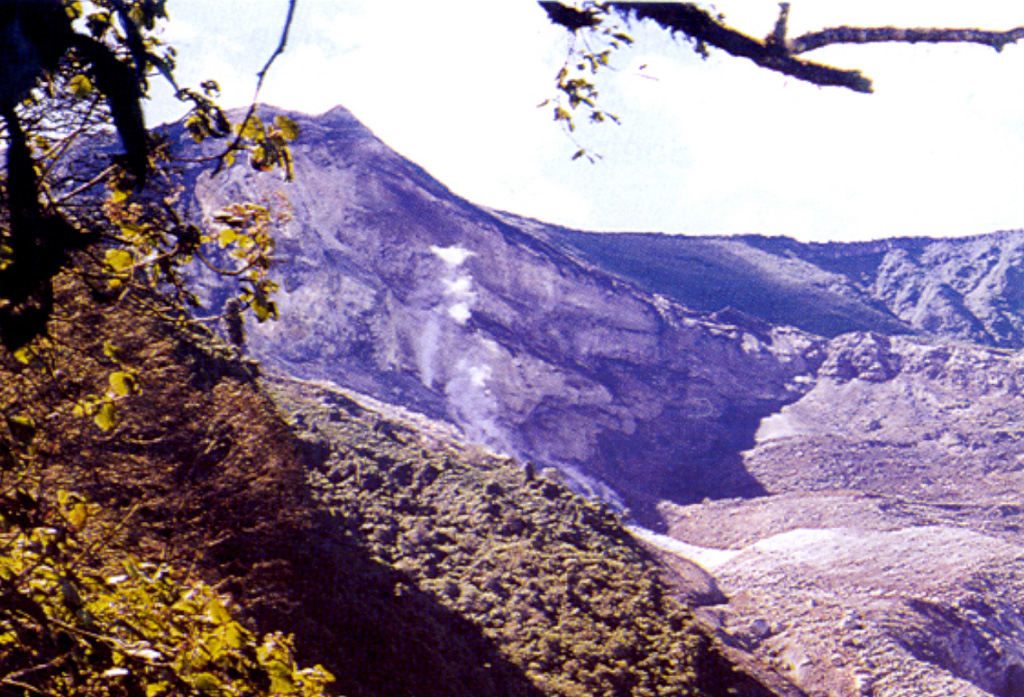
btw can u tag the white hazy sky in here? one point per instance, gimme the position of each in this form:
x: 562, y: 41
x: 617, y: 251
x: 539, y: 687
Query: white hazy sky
x: 705, y: 147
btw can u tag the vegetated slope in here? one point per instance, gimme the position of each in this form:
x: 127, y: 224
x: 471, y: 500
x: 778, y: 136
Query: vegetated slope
x: 554, y: 579
x: 393, y: 286
x: 202, y: 471
x: 968, y: 289
x: 209, y: 477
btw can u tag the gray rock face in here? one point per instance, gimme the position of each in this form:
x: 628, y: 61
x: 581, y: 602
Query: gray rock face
x: 887, y: 558
x: 393, y: 286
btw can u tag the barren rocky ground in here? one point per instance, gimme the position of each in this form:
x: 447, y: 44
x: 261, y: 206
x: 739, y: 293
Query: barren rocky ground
x: 887, y: 557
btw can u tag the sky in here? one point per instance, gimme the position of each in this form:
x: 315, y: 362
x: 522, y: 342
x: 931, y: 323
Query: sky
x: 705, y: 147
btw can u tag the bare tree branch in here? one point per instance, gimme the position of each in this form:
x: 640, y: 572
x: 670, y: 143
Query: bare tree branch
x: 700, y: 25
x: 857, y: 35
x: 776, y: 52
x: 282, y: 44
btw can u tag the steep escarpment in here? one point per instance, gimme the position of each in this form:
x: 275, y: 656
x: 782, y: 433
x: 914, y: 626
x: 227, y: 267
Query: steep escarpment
x: 641, y: 365
x: 393, y: 286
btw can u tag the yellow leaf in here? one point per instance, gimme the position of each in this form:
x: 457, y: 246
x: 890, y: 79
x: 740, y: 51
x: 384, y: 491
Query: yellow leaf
x: 81, y: 86
x: 122, y: 383
x: 234, y: 635
x: 25, y: 354
x: 119, y: 259
x: 227, y: 236
x: 106, y: 416
x: 288, y: 128
x: 208, y: 683
x: 155, y: 689
x: 78, y: 515
x: 216, y: 612
x: 22, y: 421
x: 131, y: 230
x: 252, y: 129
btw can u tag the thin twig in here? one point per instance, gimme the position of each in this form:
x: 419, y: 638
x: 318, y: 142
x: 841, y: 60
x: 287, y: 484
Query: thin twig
x: 259, y: 83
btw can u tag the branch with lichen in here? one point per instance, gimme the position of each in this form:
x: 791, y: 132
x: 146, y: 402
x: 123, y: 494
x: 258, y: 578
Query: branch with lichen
x: 864, y: 35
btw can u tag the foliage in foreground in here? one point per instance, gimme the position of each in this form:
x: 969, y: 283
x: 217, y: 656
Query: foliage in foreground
x: 70, y: 626
x: 92, y: 599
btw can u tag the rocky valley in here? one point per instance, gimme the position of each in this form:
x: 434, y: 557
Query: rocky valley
x: 824, y: 441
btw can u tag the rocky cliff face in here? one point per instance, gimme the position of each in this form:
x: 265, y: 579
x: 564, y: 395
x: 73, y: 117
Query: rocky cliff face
x: 393, y: 286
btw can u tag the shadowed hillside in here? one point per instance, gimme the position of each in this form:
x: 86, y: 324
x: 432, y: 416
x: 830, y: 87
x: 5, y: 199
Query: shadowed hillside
x: 411, y: 566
